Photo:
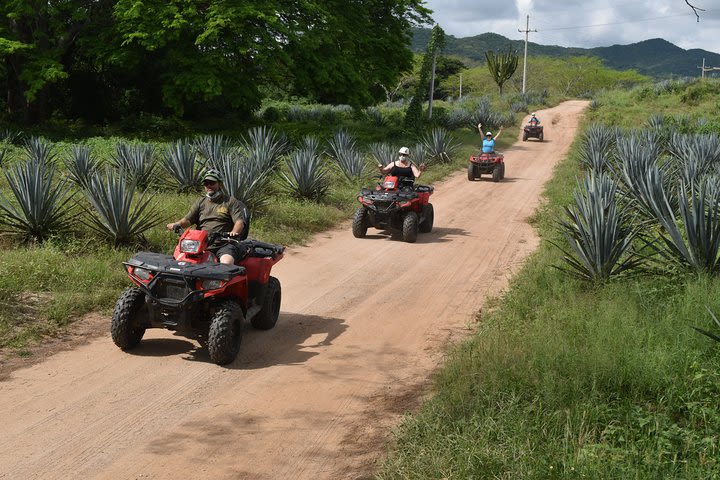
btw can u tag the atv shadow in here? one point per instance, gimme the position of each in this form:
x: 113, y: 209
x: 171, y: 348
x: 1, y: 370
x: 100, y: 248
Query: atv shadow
x: 295, y: 339
x: 441, y: 234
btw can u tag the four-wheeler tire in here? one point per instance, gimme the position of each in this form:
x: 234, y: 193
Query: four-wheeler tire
x: 525, y: 136
x: 268, y: 315
x: 359, y: 224
x: 428, y: 219
x: 541, y: 136
x: 127, y: 325
x: 471, y: 172
x: 410, y: 227
x: 225, y: 332
x: 497, y: 172
x: 502, y: 171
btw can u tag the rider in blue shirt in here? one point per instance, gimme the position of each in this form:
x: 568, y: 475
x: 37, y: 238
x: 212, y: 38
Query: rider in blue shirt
x: 488, y: 145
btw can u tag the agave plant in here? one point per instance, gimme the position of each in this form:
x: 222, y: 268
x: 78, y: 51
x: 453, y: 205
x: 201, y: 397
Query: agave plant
x: 212, y: 148
x: 307, y: 173
x: 440, y: 145
x: 81, y: 165
x: 41, y: 205
x: 349, y: 159
x: 264, y: 146
x: 39, y: 150
x: 697, y: 154
x: 136, y: 162
x: 456, y: 118
x: 383, y: 153
x: 598, y: 234
x: 639, y: 174
x: 116, y: 214
x: 419, y: 153
x: 182, y: 165
x: 375, y: 116
x: 3, y: 151
x: 246, y: 179
x: 9, y: 136
x: 693, y: 239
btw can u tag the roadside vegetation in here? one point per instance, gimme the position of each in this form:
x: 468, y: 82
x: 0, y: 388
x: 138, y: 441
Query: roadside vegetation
x: 582, y: 369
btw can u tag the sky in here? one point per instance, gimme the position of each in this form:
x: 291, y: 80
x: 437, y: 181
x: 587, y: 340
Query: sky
x: 583, y: 23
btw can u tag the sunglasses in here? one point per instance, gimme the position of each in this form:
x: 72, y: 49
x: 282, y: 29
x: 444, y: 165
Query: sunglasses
x: 209, y: 182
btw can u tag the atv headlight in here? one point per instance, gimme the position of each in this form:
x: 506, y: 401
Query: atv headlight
x: 189, y: 246
x: 142, y: 273
x: 389, y: 184
x: 212, y: 284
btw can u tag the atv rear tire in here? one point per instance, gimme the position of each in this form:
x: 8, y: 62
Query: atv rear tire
x: 129, y: 319
x: 225, y: 332
x: 428, y: 219
x: 540, y: 136
x: 497, y: 173
x: 410, y: 227
x: 268, y: 315
x: 471, y: 172
x: 525, y: 136
x: 359, y: 224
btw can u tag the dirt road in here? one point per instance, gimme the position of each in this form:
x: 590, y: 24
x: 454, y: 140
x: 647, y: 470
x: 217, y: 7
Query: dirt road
x: 363, y: 324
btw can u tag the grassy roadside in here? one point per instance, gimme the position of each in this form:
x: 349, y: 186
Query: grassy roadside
x: 568, y: 380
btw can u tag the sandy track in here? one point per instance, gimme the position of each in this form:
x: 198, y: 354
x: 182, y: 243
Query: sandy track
x: 363, y: 323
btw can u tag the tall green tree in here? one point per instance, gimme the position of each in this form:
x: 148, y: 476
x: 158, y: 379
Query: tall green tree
x: 502, y: 66
x: 413, y: 115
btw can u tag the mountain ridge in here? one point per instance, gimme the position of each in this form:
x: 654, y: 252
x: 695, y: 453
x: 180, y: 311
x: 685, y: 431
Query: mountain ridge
x: 655, y: 57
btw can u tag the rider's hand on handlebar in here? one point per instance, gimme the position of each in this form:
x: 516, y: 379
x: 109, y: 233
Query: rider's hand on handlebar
x: 422, y: 167
x: 232, y: 234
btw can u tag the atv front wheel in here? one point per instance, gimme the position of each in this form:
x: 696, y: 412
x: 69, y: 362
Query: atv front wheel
x: 225, y: 332
x: 540, y: 136
x: 410, y: 227
x: 428, y: 219
x: 268, y: 315
x: 497, y: 173
x: 471, y: 172
x: 129, y: 319
x: 359, y: 224
x: 502, y: 171
x: 525, y: 136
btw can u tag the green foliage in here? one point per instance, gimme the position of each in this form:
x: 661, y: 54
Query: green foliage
x: 502, y: 66
x: 413, y: 115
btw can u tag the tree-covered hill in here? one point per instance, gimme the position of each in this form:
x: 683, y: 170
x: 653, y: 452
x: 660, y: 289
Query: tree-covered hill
x: 656, y: 57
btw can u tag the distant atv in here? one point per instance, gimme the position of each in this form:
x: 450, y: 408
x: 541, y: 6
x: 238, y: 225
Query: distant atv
x: 193, y: 294
x: 533, y: 130
x: 487, y: 163
x: 398, y: 205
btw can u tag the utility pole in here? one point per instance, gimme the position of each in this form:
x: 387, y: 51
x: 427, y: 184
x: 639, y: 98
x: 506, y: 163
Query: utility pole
x: 704, y: 69
x: 460, y: 86
x: 527, y: 30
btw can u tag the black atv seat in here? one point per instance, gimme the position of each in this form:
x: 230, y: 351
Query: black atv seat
x: 424, y: 188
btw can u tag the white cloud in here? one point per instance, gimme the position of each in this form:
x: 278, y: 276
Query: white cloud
x: 570, y: 23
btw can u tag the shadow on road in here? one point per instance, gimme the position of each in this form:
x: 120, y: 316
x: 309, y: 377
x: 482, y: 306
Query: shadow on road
x: 295, y: 339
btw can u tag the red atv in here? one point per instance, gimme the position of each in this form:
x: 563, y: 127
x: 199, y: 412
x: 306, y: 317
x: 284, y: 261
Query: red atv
x: 488, y: 163
x: 193, y: 294
x: 398, y: 205
x: 533, y: 130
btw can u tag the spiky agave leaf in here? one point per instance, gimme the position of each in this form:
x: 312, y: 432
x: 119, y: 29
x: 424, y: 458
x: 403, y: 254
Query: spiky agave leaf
x: 597, y: 232
x: 183, y: 166
x: 116, y: 213
x: 348, y: 158
x: 714, y: 336
x: 691, y: 238
x: 265, y: 146
x: 419, y: 153
x: 383, y: 153
x: 440, y: 145
x: 81, y: 165
x: 41, y: 205
x: 212, y: 148
x: 39, y: 150
x: 246, y: 179
x: 308, y: 172
x: 697, y: 155
x: 638, y: 172
x: 136, y: 161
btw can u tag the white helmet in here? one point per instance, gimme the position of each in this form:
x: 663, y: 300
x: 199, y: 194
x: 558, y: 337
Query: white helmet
x: 488, y: 134
x: 404, y: 151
